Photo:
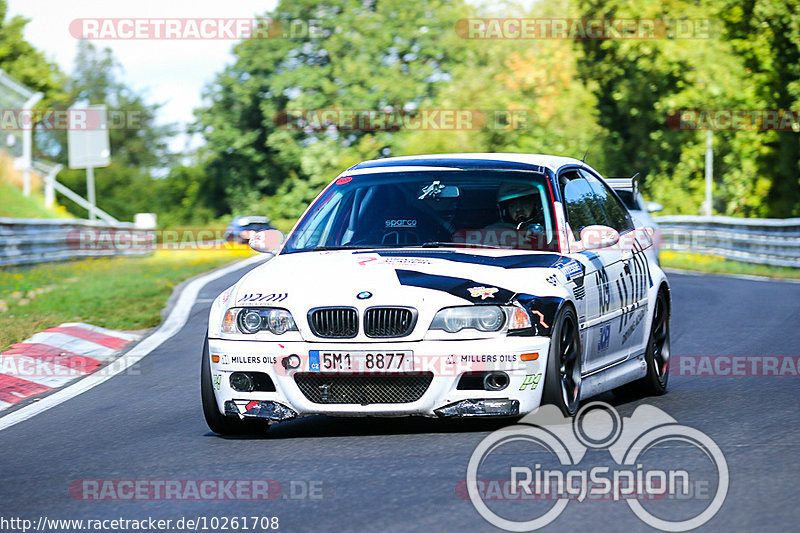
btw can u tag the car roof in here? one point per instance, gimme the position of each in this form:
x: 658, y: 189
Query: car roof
x: 249, y: 219
x: 506, y: 161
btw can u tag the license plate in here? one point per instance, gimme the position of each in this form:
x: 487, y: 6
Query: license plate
x: 361, y: 361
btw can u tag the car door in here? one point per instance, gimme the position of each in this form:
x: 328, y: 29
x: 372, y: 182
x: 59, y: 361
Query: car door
x: 604, y: 266
x: 631, y: 280
x: 634, y: 279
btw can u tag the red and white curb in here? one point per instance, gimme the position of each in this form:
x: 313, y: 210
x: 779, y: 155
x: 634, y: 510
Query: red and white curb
x: 53, y: 358
x: 173, y: 323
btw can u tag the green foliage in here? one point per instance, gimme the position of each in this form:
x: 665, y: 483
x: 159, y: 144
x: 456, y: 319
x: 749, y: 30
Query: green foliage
x: 751, y: 62
x: 38, y: 297
x: 364, y: 55
x: 535, y: 86
x: 20, y: 60
x: 610, y: 98
x: 138, y: 150
x: 14, y: 204
x: 765, y: 34
x: 178, y: 199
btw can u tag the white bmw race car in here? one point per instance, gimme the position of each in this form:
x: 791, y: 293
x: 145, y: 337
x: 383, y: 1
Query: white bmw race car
x: 463, y: 285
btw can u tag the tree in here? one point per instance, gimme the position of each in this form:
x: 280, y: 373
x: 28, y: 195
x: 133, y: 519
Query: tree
x: 531, y: 93
x: 22, y: 61
x: 766, y: 34
x: 139, y: 146
x: 358, y: 55
x: 750, y: 62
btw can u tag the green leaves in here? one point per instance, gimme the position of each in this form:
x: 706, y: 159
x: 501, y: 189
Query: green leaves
x: 750, y: 63
x: 360, y: 56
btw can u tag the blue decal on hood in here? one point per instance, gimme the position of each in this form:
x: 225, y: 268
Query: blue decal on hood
x: 463, y: 288
x: 571, y: 269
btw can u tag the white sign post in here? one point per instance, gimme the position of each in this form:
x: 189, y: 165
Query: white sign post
x: 709, y: 172
x: 87, y: 140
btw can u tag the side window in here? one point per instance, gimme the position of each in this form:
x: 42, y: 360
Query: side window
x: 580, y: 203
x: 615, y: 214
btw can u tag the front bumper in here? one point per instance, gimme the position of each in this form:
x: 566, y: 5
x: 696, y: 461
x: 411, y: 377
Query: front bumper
x: 445, y: 361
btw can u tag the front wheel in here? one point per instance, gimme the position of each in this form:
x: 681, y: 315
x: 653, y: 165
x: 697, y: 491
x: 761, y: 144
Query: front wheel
x: 562, y: 385
x: 217, y: 422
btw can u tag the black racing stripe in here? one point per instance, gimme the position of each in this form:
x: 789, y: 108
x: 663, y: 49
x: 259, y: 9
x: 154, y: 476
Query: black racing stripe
x: 594, y: 259
x: 455, y: 286
x: 506, y: 261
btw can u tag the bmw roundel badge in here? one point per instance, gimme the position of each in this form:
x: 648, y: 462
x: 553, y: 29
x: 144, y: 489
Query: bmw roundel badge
x: 364, y: 295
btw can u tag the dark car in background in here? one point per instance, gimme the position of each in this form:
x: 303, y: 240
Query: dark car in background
x: 242, y: 228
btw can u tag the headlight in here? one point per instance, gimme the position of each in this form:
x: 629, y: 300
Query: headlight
x: 488, y: 318
x: 480, y: 317
x: 251, y: 320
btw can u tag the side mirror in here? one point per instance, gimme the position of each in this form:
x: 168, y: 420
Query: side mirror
x: 597, y: 236
x: 266, y: 241
x: 654, y: 207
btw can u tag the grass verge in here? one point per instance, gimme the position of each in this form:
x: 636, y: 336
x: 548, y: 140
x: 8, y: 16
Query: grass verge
x: 14, y: 204
x: 117, y: 293
x: 719, y: 265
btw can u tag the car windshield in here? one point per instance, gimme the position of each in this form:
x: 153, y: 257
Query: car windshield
x: 447, y: 208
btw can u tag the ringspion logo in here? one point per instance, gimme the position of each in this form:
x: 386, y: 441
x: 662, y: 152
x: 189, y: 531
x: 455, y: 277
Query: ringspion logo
x: 539, y: 461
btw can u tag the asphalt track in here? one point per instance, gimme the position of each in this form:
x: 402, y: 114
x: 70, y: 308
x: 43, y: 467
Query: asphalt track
x: 402, y: 474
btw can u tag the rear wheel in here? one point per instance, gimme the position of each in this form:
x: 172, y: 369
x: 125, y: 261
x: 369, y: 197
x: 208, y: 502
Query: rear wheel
x: 217, y: 422
x: 562, y: 385
x: 654, y: 383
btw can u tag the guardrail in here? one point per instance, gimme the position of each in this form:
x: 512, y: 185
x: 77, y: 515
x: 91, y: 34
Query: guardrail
x: 764, y: 241
x: 27, y: 241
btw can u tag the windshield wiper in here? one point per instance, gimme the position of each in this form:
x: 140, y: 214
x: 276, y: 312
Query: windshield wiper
x: 329, y: 248
x: 442, y: 244
x: 325, y: 249
x: 430, y: 244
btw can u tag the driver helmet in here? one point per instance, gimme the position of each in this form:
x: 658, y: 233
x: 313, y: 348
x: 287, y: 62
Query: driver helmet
x: 512, y: 191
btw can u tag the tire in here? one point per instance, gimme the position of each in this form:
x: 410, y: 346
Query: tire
x: 562, y: 382
x: 656, y: 357
x: 217, y: 422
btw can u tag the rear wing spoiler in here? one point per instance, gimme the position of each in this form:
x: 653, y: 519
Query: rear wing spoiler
x: 625, y: 184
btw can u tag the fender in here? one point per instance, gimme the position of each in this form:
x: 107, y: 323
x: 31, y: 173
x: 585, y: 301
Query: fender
x: 543, y: 311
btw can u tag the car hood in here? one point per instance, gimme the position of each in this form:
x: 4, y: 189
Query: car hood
x: 300, y: 281
x: 422, y: 279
